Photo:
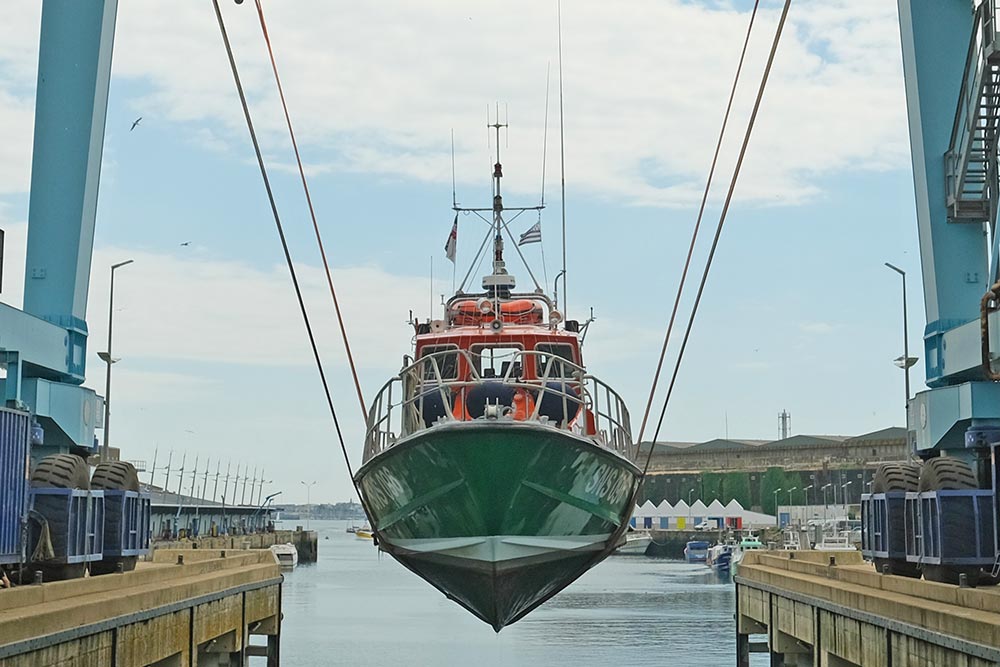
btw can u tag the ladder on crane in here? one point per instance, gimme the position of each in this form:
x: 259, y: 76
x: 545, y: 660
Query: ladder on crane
x: 971, y: 173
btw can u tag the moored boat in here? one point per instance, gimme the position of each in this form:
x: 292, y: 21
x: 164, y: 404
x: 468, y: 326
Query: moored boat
x: 719, y: 557
x: 636, y: 543
x: 696, y: 551
x: 496, y: 467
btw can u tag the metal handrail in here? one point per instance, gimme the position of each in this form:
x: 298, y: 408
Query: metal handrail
x: 391, y: 420
x: 970, y: 101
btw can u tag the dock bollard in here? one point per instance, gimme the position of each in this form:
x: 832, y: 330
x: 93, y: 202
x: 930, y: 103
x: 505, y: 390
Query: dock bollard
x: 180, y: 559
x: 120, y: 568
x: 833, y: 560
x: 885, y: 568
x: 963, y: 580
x: 38, y: 577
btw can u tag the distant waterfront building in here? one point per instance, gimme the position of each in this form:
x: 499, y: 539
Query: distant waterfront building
x: 681, y: 516
x: 797, y: 452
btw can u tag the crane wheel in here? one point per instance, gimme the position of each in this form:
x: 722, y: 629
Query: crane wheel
x: 946, y: 474
x: 61, y: 471
x: 115, y: 476
x: 896, y: 477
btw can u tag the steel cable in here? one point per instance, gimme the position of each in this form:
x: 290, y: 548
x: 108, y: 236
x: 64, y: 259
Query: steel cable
x: 697, y: 225
x: 287, y: 253
x: 312, y: 213
x: 718, y: 233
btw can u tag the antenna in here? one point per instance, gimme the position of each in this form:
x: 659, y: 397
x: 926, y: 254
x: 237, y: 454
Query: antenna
x: 194, y: 473
x: 167, y: 478
x: 562, y: 160
x: 152, y: 471
x: 204, y: 483
x: 454, y: 196
x: 180, y: 474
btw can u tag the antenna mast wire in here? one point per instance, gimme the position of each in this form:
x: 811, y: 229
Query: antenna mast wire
x: 562, y: 159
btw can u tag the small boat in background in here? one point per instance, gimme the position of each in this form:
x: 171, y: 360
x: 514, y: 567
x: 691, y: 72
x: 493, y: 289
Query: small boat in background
x: 636, y: 543
x: 720, y: 557
x: 364, y: 533
x: 287, y: 555
x: 696, y: 551
x: 749, y: 543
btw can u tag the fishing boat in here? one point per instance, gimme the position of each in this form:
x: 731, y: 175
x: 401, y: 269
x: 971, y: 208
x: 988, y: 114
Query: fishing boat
x: 364, y: 533
x: 750, y: 542
x: 636, y: 543
x: 719, y: 557
x: 696, y: 551
x: 496, y: 467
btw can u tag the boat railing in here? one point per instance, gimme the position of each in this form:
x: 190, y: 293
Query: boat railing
x: 562, y: 395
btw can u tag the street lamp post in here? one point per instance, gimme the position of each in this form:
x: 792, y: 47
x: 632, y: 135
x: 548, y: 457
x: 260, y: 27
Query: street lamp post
x: 843, y: 496
x: 776, y: 519
x: 805, y: 493
x: 689, y: 507
x: 906, y: 361
x: 309, y: 510
x: 109, y: 360
x: 826, y: 504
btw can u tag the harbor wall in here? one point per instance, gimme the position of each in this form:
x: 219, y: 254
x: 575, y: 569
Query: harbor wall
x: 819, y: 608
x: 184, y: 608
x: 305, y: 542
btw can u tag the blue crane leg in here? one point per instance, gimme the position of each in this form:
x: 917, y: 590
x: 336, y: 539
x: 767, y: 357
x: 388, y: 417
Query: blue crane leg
x: 954, y: 256
x: 74, y: 70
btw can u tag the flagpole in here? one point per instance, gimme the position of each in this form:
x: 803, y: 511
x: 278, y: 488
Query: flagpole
x: 430, y: 314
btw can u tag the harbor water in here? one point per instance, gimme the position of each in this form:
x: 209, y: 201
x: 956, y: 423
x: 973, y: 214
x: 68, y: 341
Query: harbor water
x: 358, y: 607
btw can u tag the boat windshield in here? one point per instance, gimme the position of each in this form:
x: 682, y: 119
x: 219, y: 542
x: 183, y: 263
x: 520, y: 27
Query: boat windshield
x: 495, y: 361
x: 550, y: 360
x: 441, y: 359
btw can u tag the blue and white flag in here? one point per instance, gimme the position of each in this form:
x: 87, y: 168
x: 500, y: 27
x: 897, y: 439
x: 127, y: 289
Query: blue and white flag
x: 451, y: 245
x: 533, y: 235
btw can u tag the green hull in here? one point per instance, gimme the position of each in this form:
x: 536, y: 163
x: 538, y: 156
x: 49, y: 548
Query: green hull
x: 499, y: 516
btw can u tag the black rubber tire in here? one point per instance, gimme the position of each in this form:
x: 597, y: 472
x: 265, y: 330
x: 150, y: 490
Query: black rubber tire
x: 61, y: 471
x: 945, y: 473
x: 896, y: 477
x: 115, y: 476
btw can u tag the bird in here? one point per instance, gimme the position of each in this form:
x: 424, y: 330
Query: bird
x: 135, y: 123
x: 186, y: 243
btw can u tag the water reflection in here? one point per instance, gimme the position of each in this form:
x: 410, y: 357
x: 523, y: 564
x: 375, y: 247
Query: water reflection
x: 356, y: 607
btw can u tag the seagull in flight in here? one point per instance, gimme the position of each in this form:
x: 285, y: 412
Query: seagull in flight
x: 186, y: 243
x: 135, y: 124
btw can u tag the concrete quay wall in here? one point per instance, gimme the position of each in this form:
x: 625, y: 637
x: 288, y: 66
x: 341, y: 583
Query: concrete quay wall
x: 185, y: 608
x: 840, y: 613
x: 305, y: 541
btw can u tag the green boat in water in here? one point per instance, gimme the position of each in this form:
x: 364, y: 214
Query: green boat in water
x: 496, y: 467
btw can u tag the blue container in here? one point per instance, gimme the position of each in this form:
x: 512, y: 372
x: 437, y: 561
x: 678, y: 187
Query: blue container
x: 126, y: 523
x: 15, y: 431
x: 76, y: 523
x: 883, y: 521
x: 950, y: 528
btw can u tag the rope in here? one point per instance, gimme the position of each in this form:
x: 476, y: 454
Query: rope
x: 284, y: 247
x: 697, y: 226
x: 718, y: 231
x: 312, y: 213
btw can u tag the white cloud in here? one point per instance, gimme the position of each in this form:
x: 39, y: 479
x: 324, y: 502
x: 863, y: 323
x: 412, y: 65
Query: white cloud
x: 377, y: 87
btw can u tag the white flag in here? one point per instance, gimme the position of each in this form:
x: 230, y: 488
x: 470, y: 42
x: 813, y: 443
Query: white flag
x: 449, y: 247
x: 533, y: 235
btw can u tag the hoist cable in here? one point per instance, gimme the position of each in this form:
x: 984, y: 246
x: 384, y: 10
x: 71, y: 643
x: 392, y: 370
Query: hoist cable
x: 697, y: 226
x: 312, y: 214
x: 718, y: 229
x: 284, y: 247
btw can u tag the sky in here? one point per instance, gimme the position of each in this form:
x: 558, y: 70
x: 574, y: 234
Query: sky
x: 799, y: 313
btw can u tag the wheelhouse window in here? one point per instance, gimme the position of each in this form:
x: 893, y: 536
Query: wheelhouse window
x: 497, y: 361
x: 446, y: 359
x: 551, y: 358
